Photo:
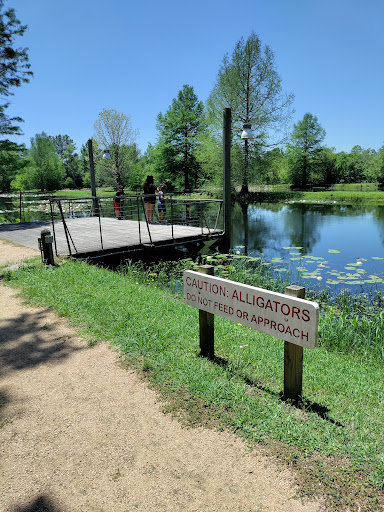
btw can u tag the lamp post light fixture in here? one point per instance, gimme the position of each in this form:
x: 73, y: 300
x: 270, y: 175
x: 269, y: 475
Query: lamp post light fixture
x: 247, y: 133
x: 106, y: 156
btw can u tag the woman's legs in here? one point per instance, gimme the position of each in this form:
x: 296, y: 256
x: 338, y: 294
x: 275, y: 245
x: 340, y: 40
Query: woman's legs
x: 149, y: 208
x: 162, y: 213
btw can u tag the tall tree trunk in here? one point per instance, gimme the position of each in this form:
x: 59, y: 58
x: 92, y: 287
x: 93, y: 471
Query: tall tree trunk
x: 244, y: 185
x: 186, y: 173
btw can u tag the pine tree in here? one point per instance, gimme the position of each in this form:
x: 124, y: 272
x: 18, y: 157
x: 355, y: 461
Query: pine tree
x: 14, y: 66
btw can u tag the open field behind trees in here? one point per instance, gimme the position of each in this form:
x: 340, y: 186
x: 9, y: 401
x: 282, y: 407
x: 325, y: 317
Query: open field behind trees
x: 334, y: 441
x: 354, y: 193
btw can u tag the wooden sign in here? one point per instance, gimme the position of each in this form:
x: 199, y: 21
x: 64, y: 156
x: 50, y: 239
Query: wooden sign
x: 292, y: 319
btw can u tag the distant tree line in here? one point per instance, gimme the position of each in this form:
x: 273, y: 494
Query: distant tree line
x: 188, y: 150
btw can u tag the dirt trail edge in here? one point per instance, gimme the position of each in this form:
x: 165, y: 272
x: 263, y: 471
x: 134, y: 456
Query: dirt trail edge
x: 79, y: 433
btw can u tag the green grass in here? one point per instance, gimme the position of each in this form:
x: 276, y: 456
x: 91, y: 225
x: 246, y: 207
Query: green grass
x: 349, y: 322
x: 334, y: 440
x: 344, y: 197
x: 85, y: 192
x: 348, y: 197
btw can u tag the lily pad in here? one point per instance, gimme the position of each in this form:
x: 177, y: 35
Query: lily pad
x: 306, y: 275
x: 333, y: 251
x: 376, y: 279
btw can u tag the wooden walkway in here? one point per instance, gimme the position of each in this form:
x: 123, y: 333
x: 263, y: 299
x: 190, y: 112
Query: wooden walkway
x: 89, y: 238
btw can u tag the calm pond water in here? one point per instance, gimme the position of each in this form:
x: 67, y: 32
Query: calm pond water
x: 32, y: 208
x: 340, y: 246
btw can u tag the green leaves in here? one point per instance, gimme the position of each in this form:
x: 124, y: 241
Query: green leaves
x: 178, y: 131
x: 15, y: 67
x: 317, y: 268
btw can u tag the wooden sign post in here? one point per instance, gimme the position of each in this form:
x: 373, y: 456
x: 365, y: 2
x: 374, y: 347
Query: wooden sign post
x: 285, y: 316
x: 207, y: 323
x: 293, y: 357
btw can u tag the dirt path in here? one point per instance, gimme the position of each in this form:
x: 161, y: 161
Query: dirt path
x: 78, y: 433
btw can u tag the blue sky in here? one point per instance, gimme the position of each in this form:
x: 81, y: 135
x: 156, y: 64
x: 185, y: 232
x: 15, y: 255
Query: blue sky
x: 134, y: 56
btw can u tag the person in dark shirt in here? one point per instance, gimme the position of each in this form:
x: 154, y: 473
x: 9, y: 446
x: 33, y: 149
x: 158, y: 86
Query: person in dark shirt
x: 117, y: 203
x: 149, y: 189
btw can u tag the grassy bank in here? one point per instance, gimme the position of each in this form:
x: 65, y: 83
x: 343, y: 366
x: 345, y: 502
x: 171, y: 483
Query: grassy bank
x: 324, y: 197
x: 349, y: 322
x: 334, y: 440
x: 344, y: 197
x: 352, y: 194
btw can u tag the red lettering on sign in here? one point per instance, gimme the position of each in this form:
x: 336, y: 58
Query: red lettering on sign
x: 260, y: 302
x: 296, y: 312
x: 287, y: 311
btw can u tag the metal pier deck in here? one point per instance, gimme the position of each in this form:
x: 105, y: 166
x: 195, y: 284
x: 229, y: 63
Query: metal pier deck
x: 93, y: 237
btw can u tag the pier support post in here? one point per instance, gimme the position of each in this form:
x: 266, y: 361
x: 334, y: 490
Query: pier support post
x: 95, y: 205
x: 47, y: 246
x: 227, y: 137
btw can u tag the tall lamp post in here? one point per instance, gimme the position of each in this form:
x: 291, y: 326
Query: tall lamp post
x: 107, y: 156
x: 246, y: 134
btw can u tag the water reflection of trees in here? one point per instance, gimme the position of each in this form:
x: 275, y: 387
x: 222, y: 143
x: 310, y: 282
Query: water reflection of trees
x: 250, y: 229
x: 254, y: 229
x: 261, y: 226
x: 302, y: 226
x: 378, y: 217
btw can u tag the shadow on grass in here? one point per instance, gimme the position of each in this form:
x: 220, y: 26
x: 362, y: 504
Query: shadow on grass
x: 305, y: 405
x: 40, y: 504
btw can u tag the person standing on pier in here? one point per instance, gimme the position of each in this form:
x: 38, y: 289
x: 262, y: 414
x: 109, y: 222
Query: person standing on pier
x: 161, y: 206
x: 150, y: 190
x: 117, y: 203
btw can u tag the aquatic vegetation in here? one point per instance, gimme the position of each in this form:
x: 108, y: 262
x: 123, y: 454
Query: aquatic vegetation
x: 352, y: 274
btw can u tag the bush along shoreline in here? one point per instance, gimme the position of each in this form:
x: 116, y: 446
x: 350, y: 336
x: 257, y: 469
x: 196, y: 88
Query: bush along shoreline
x: 332, y: 439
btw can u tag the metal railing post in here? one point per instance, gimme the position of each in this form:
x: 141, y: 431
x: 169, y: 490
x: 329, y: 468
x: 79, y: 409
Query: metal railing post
x: 173, y: 236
